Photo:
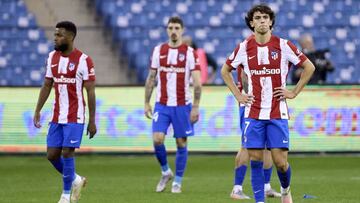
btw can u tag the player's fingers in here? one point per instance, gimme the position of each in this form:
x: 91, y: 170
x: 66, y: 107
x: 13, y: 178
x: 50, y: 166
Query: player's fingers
x: 148, y: 114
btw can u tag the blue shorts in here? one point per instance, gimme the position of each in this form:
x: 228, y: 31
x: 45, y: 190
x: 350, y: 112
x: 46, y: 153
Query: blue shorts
x: 260, y: 134
x: 65, y: 135
x: 242, y: 123
x: 178, y: 116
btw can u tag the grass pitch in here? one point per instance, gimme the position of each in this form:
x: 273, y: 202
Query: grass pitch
x: 208, y: 178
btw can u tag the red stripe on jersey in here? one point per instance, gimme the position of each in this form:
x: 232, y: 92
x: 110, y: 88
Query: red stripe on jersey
x: 240, y: 82
x: 180, y: 77
x: 71, y: 88
x: 276, y: 79
x: 164, y: 49
x: 54, y: 69
x: 251, y: 50
x: 91, y: 69
x: 256, y: 106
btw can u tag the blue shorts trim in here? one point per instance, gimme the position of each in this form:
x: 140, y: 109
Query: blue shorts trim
x: 272, y: 133
x: 177, y: 116
x: 65, y: 135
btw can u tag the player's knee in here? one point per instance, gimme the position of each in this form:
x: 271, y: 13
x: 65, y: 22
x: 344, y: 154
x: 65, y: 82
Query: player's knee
x: 181, y: 142
x: 158, y: 142
x: 52, y: 157
x: 68, y: 152
x: 281, y: 165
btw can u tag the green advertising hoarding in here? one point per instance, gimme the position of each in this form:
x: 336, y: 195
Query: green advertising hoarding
x: 322, y: 119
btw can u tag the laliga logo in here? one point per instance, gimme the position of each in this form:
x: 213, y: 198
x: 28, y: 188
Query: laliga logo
x: 265, y: 71
x: 62, y: 79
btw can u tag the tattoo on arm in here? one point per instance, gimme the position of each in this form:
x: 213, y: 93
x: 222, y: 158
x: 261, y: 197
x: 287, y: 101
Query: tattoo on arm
x: 149, y: 85
x: 197, y: 95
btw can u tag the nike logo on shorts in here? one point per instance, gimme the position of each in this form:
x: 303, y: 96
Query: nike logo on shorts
x: 74, y: 141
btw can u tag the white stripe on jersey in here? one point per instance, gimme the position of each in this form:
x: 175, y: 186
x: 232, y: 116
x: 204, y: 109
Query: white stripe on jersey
x: 263, y: 55
x: 63, y: 63
x: 82, y: 69
x: 266, y: 97
x: 171, y: 88
x: 48, y: 65
x: 284, y: 65
x: 63, y: 103
x: 189, y: 63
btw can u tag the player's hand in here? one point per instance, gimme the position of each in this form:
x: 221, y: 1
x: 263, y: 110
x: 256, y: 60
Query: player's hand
x: 282, y: 93
x: 246, y: 99
x: 194, y: 114
x: 91, y: 130
x: 148, y: 111
x: 36, y: 120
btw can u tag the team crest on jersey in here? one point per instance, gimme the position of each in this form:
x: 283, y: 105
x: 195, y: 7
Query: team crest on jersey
x: 71, y: 66
x: 181, y: 57
x: 274, y: 55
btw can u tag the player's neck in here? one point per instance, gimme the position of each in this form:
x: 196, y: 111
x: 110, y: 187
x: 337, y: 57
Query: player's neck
x: 262, y: 38
x: 68, y: 51
x: 174, y: 44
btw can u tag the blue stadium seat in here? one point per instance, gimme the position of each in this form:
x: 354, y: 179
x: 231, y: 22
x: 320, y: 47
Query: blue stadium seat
x: 216, y: 24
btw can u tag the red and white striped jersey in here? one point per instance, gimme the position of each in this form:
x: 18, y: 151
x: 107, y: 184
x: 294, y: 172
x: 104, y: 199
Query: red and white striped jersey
x: 266, y: 67
x: 68, y: 74
x: 174, y: 66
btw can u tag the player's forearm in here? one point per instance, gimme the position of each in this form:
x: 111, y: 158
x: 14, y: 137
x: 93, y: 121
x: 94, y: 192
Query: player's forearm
x: 91, y: 104
x: 43, y: 96
x: 149, y: 87
x: 305, y: 77
x: 197, y: 95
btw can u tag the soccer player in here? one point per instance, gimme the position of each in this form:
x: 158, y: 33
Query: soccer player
x: 173, y: 63
x: 265, y: 59
x: 68, y: 70
x: 242, y: 157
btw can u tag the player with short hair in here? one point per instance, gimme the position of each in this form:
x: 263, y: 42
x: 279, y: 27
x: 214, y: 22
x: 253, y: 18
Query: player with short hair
x: 68, y: 70
x: 173, y: 64
x: 242, y: 157
x: 265, y: 59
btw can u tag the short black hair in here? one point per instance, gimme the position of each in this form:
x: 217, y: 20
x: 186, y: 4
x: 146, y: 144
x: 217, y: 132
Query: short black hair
x: 262, y: 8
x: 68, y: 26
x: 176, y: 19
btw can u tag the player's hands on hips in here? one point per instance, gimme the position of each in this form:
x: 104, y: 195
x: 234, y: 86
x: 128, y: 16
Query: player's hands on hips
x: 246, y: 99
x: 282, y: 93
x: 91, y: 129
x: 36, y: 120
x: 148, y: 111
x: 194, y: 114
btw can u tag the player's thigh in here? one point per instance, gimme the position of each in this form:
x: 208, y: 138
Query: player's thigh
x: 277, y: 132
x: 161, y: 119
x: 55, y: 136
x: 180, y: 119
x: 242, y: 157
x: 73, y: 133
x: 254, y: 133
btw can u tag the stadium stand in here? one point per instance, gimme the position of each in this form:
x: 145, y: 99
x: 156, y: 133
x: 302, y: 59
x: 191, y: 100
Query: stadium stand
x: 138, y: 25
x: 23, y: 46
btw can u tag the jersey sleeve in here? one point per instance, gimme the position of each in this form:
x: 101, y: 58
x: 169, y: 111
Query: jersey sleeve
x: 293, y: 54
x: 88, y: 69
x: 233, y: 61
x: 194, y: 61
x: 155, y: 58
x: 48, y: 73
